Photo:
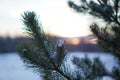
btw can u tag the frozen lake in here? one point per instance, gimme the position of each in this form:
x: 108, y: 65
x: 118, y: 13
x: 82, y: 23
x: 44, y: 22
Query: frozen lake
x: 12, y: 68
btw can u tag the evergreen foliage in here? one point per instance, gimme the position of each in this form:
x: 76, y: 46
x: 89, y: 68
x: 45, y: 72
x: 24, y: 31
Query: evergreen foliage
x: 90, y: 70
x: 48, y: 60
x: 41, y: 55
x: 109, y: 11
x: 109, y: 35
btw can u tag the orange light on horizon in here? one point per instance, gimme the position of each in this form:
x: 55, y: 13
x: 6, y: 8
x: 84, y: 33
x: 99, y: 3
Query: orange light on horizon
x: 74, y: 41
x: 93, y: 41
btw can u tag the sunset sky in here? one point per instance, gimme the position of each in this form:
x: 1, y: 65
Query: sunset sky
x: 55, y: 16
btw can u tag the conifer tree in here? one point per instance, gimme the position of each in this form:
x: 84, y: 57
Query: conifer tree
x: 108, y: 10
x: 40, y: 54
x: 48, y: 60
x: 108, y: 36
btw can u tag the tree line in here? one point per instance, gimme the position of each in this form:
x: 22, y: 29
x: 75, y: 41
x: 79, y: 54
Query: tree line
x: 8, y: 44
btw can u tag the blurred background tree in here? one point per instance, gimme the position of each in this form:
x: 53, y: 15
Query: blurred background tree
x: 109, y: 35
x: 108, y: 10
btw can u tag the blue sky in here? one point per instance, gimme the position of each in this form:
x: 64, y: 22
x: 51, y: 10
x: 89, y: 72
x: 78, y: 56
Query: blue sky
x: 55, y: 16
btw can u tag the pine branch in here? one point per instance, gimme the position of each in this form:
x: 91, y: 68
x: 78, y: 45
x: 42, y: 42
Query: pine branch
x: 108, y: 11
x: 107, y: 39
x: 35, y: 30
x: 33, y: 58
x: 89, y: 70
x: 102, y: 9
x: 41, y: 53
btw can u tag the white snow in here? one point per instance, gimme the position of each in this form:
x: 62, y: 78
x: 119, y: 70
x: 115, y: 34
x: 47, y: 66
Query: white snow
x: 53, y: 55
x: 11, y: 67
x: 60, y: 42
x: 107, y: 78
x: 30, y: 14
x: 107, y: 59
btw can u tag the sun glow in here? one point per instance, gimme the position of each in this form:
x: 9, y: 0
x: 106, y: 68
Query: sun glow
x: 62, y: 21
x: 73, y: 41
x: 55, y: 16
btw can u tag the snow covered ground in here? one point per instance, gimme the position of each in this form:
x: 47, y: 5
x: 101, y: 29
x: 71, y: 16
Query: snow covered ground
x: 12, y: 68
